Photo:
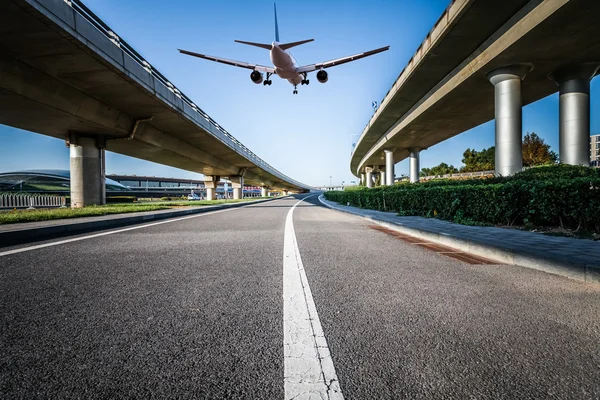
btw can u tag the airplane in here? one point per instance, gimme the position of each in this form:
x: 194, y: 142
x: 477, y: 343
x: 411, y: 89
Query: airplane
x: 284, y: 63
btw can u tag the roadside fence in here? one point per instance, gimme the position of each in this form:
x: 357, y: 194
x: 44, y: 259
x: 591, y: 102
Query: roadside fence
x: 31, y: 201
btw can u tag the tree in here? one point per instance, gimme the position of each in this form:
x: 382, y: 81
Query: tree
x: 536, y: 151
x: 442, y: 169
x: 475, y: 161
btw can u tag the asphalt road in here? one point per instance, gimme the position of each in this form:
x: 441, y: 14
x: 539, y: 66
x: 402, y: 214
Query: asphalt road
x: 194, y: 309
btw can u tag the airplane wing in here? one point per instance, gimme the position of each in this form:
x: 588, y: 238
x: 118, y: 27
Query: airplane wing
x: 240, y: 64
x: 343, y: 60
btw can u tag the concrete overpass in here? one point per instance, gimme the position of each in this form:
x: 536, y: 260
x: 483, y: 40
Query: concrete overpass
x: 66, y: 74
x: 484, y: 60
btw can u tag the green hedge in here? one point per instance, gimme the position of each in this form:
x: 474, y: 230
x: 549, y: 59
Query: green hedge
x: 549, y: 196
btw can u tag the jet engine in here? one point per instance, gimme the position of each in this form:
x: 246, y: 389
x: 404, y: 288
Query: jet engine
x: 322, y: 76
x: 256, y: 77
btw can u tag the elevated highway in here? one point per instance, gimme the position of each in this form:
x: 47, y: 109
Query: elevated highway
x: 65, y: 73
x: 484, y: 60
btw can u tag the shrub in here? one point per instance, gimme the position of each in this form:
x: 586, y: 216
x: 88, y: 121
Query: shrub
x: 563, y: 196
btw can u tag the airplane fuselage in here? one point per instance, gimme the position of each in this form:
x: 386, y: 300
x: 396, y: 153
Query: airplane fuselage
x: 285, y: 65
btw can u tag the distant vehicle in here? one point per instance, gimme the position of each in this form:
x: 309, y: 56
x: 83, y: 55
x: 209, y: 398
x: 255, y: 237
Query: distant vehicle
x: 285, y: 65
x: 194, y: 196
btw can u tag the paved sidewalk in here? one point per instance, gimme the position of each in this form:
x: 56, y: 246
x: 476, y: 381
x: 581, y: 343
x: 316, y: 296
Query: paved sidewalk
x: 574, y: 258
x: 24, y: 232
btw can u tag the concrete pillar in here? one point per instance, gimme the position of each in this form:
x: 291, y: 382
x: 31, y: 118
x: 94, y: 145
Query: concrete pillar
x: 237, y: 185
x: 369, y: 177
x: 210, y: 183
x: 389, y: 167
x: 87, y: 180
x: 508, y: 114
x: 362, y: 179
x: 382, y: 178
x: 103, y: 175
x: 264, y: 192
x: 414, y: 169
x: 574, y: 117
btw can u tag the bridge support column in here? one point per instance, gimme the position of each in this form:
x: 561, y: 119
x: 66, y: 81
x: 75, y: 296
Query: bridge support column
x: 237, y: 185
x: 369, y: 176
x: 415, y: 154
x: 264, y: 192
x: 381, y: 177
x: 210, y: 184
x: 574, y: 98
x: 362, y: 179
x: 508, y: 114
x: 88, y: 185
x: 389, y: 167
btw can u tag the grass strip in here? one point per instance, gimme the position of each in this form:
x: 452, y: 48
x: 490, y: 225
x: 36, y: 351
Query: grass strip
x: 16, y: 216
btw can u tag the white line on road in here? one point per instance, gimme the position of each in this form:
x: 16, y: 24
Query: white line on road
x: 308, y: 367
x: 41, y: 246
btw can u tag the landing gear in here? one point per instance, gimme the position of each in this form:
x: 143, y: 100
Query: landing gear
x: 305, y: 81
x: 295, y: 89
x: 268, y: 81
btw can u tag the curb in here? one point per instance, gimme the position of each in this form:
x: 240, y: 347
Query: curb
x: 21, y: 236
x: 503, y: 255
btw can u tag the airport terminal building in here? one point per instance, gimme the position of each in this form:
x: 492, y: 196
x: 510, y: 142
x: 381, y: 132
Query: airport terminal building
x: 53, y: 181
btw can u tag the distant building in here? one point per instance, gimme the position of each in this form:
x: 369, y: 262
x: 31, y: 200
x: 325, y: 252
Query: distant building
x: 595, y: 151
x: 176, y: 186
x: 54, y: 181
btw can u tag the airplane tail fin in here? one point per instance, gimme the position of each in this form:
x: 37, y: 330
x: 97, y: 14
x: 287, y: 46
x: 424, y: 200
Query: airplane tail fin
x: 267, y: 46
x: 276, y: 26
x: 286, y: 46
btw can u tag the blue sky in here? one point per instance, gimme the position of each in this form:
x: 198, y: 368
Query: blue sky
x: 306, y: 136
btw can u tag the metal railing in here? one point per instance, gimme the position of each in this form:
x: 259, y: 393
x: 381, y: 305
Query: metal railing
x: 31, y: 201
x: 459, y: 175
x: 229, y: 141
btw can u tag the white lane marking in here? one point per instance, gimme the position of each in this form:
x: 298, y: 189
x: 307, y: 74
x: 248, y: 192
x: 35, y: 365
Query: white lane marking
x: 41, y: 246
x: 308, y: 368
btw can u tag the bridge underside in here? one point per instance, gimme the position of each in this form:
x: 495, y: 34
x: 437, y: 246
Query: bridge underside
x: 557, y: 34
x: 59, y: 85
